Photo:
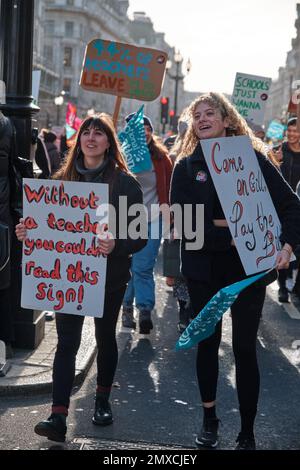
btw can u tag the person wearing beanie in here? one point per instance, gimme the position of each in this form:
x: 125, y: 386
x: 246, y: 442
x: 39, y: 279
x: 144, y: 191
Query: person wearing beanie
x: 155, y: 184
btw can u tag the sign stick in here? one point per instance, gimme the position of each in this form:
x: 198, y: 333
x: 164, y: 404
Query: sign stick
x: 117, y: 110
x: 298, y: 117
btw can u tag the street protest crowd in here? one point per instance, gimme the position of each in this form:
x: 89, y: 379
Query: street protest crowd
x: 220, y: 168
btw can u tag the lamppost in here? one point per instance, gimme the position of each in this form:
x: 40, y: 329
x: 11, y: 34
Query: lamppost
x: 16, y: 40
x: 59, y: 101
x: 178, y: 59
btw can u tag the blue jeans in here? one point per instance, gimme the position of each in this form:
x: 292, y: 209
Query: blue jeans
x: 141, y: 287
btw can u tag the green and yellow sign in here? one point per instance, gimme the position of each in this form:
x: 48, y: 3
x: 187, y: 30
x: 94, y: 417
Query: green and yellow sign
x: 250, y: 95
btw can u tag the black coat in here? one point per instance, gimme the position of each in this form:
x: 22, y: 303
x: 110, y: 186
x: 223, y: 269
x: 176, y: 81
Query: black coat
x: 185, y: 189
x: 5, y: 213
x: 290, y: 167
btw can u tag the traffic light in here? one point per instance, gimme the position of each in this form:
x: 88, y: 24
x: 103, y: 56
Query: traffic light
x: 164, y: 109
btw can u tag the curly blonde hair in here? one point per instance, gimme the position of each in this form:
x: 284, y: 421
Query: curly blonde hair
x: 237, y: 124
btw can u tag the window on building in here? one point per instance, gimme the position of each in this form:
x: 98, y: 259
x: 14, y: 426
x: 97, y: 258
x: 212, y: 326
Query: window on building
x: 70, y: 2
x: 49, y: 26
x: 68, y: 56
x: 67, y: 85
x: 48, y: 53
x: 69, y: 28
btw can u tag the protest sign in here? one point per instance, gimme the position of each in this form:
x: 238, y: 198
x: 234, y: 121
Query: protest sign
x: 250, y: 95
x: 245, y: 199
x: 134, y: 145
x: 123, y: 70
x: 62, y: 269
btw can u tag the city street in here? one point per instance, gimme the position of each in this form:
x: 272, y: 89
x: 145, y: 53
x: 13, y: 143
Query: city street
x: 155, y: 396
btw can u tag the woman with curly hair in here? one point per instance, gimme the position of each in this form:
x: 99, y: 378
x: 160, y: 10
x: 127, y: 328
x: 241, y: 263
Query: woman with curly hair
x: 217, y: 263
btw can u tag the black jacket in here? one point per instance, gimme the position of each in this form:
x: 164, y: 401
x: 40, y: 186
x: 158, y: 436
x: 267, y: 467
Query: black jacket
x: 5, y: 213
x: 185, y: 189
x: 290, y: 167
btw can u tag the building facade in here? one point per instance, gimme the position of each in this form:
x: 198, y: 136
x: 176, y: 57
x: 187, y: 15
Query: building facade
x: 282, y: 87
x: 62, y: 30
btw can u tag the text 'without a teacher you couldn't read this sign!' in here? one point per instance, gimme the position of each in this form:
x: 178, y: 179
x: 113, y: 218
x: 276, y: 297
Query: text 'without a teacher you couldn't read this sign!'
x: 62, y: 268
x: 123, y: 70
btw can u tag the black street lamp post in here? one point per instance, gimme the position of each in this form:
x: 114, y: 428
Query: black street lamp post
x: 177, y: 78
x: 16, y: 46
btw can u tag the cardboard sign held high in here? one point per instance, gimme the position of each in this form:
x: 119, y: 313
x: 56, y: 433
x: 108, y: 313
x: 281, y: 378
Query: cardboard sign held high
x: 123, y: 70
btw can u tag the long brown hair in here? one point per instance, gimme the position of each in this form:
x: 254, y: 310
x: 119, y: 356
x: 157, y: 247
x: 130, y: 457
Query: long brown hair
x: 104, y: 123
x: 237, y: 124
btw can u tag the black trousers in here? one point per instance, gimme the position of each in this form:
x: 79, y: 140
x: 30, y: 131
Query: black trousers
x: 6, y: 316
x: 245, y: 312
x: 69, y: 329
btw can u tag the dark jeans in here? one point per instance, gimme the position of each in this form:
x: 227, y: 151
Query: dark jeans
x: 69, y: 329
x: 246, y: 312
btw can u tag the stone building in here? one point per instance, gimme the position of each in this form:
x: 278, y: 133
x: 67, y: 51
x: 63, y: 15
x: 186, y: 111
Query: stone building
x: 63, y: 28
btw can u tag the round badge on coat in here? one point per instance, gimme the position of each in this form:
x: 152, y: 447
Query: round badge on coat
x: 201, y: 176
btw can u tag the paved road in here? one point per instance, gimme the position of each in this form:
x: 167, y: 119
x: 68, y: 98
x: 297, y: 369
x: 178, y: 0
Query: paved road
x: 155, y: 397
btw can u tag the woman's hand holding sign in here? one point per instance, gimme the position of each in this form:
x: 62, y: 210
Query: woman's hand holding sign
x: 106, y: 240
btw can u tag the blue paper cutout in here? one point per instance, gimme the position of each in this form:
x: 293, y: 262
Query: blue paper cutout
x: 205, y: 322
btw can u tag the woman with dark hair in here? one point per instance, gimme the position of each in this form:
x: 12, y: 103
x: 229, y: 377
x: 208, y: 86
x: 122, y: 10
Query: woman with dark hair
x: 95, y: 158
x: 217, y: 263
x: 155, y: 184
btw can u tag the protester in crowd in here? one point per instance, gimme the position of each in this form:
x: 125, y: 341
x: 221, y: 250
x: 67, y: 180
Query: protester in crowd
x: 95, y: 157
x: 64, y: 148
x: 6, y: 320
x: 155, y: 184
x: 290, y: 169
x: 47, y: 156
x: 218, y: 264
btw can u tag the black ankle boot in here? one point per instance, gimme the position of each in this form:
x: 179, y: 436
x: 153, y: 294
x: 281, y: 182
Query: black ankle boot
x: 103, y: 414
x: 54, y: 428
x: 145, y: 322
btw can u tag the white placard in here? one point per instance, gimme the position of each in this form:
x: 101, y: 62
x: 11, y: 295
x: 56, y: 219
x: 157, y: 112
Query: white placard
x: 250, y: 95
x: 245, y: 199
x: 62, y: 270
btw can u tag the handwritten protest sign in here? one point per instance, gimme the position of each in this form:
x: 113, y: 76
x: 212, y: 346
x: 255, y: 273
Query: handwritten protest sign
x: 123, y: 70
x: 62, y: 269
x: 245, y: 199
x: 250, y: 95
x: 134, y: 145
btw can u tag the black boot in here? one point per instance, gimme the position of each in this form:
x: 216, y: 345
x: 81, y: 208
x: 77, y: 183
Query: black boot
x: 54, y: 428
x: 103, y: 414
x: 184, y: 316
x: 245, y: 442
